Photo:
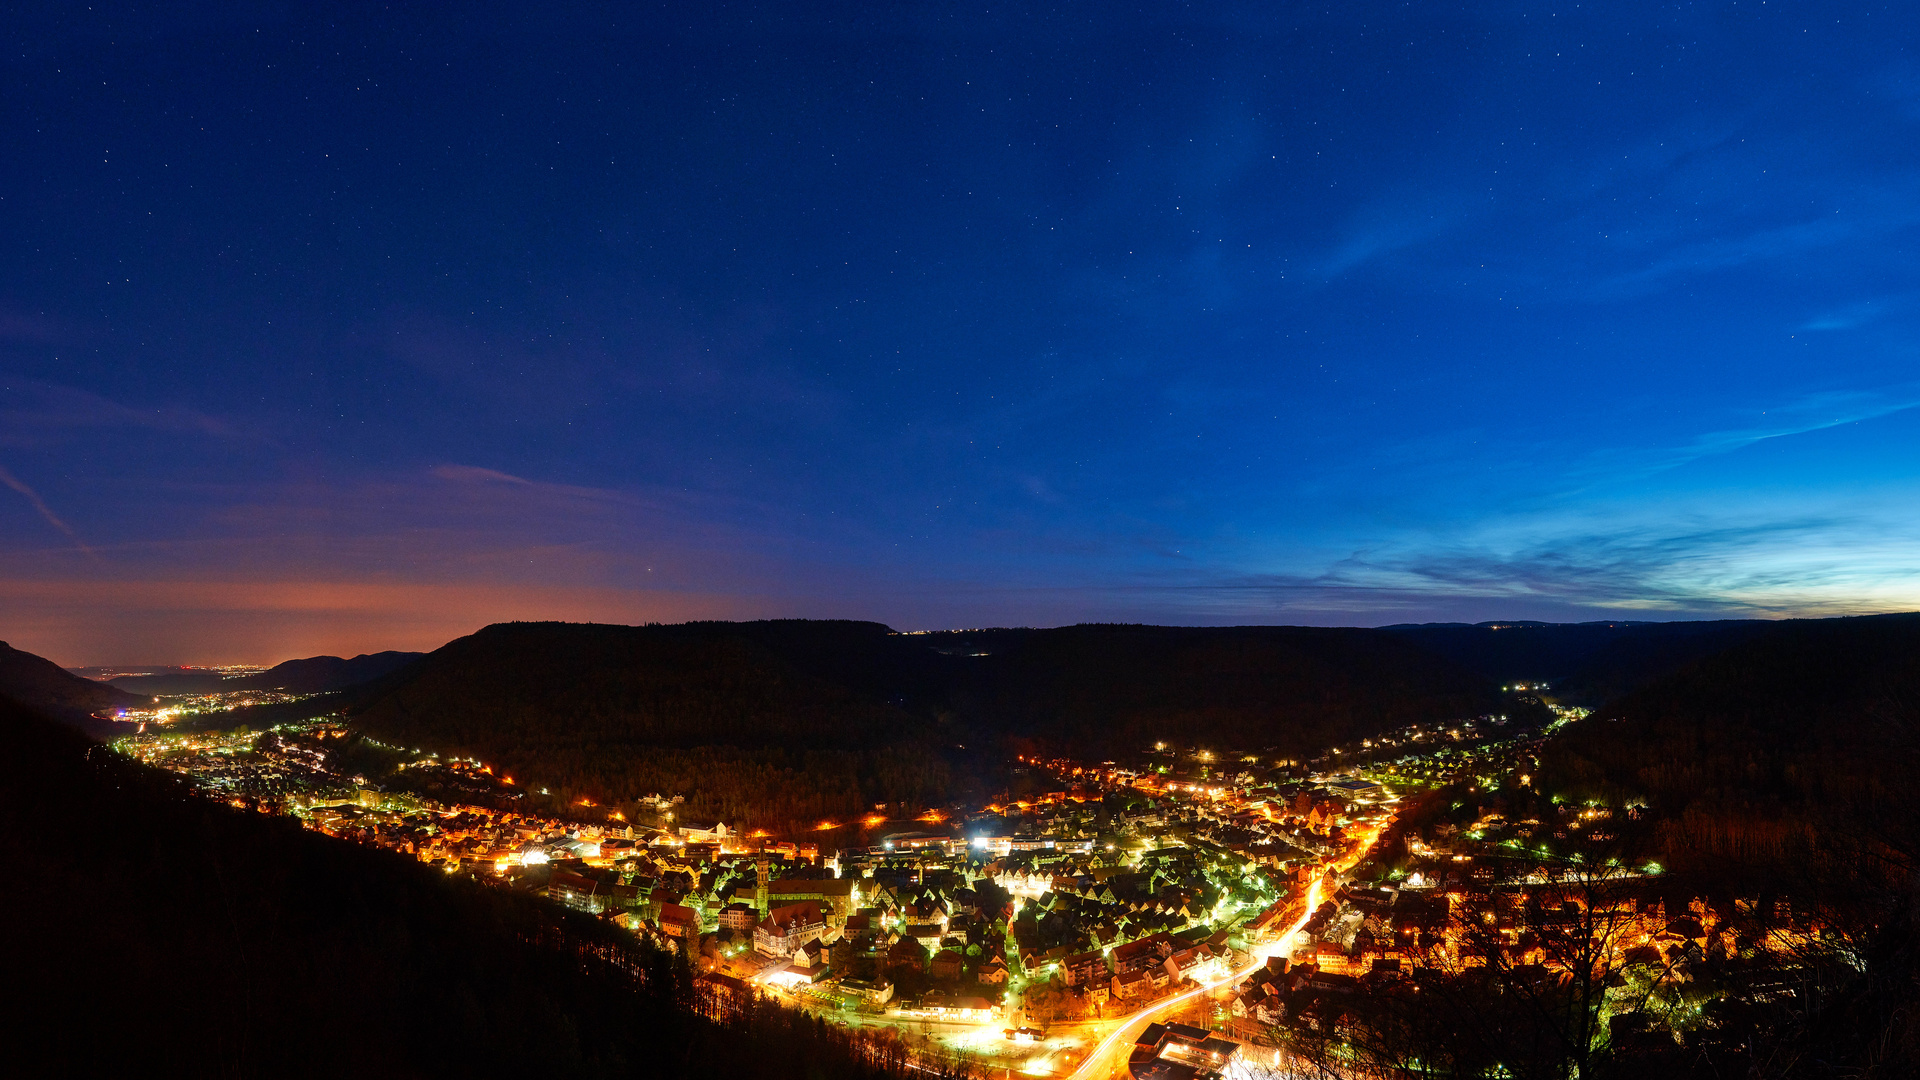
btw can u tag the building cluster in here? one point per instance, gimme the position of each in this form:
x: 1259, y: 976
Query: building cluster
x: 1101, y: 890
x: 172, y: 708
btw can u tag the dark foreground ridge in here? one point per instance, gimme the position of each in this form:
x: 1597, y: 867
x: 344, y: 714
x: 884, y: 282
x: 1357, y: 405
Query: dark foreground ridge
x: 160, y: 928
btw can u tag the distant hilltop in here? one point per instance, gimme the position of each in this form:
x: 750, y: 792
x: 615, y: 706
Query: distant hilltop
x: 42, y: 684
x: 312, y: 675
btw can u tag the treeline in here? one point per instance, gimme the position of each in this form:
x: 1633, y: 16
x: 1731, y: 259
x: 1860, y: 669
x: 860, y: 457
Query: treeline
x: 150, y: 925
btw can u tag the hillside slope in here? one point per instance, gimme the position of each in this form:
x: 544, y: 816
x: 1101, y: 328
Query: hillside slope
x: 1587, y: 663
x: 784, y: 722
x: 45, y: 685
x: 712, y: 709
x: 223, y: 943
x: 1106, y: 689
x: 1804, y: 735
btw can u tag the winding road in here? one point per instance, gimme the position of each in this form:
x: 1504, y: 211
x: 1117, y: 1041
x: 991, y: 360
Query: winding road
x: 1109, y: 1057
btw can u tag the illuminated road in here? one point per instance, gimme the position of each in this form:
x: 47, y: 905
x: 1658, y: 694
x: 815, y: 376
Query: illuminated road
x: 1112, y: 1052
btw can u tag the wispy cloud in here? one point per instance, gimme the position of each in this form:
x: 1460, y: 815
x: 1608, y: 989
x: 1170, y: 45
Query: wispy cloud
x: 41, y: 506
x: 1813, y: 412
x: 39, y: 413
x: 1843, y: 557
x: 475, y: 474
x: 1389, y: 227
x: 1845, y: 318
x: 1809, y: 413
x: 1760, y: 245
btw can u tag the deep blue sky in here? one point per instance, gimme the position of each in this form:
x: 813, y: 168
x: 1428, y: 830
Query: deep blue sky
x: 331, y: 333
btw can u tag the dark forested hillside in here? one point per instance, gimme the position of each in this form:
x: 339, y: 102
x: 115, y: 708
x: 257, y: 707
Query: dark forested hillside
x: 159, y: 928
x: 1783, y: 767
x: 1808, y: 731
x: 713, y: 710
x: 1107, y: 689
x: 47, y: 686
x: 1587, y: 663
x: 782, y: 722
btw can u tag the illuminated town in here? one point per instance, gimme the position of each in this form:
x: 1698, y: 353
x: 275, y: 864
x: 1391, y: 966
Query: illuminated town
x: 1192, y: 913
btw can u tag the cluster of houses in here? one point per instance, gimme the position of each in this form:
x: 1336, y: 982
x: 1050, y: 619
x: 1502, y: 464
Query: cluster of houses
x: 1142, y: 970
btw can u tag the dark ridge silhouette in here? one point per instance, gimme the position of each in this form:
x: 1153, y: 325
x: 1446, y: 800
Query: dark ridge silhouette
x: 716, y: 710
x: 313, y: 675
x: 1101, y: 689
x: 1586, y: 663
x: 784, y: 722
x: 45, y: 685
x: 159, y: 926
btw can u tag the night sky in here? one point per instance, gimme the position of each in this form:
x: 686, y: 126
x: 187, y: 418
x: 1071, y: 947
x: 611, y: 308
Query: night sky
x: 327, y: 328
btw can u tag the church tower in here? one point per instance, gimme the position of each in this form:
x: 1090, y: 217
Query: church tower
x: 762, y: 884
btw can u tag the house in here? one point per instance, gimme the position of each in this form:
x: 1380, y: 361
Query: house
x: 1085, y: 969
x: 739, y: 917
x: 1198, y: 963
x: 875, y: 993
x: 787, y: 928
x: 577, y: 890
x: 1260, y: 1005
x: 927, y: 912
x: 991, y: 973
x: 1172, y: 1050
x: 795, y: 975
x: 907, y: 952
x: 1332, y: 982
x: 946, y: 965
x: 1134, y: 986
x: 811, y: 957
x: 703, y: 832
x: 975, y: 1010
x: 681, y: 925
x: 927, y: 934
x: 836, y: 896
x: 1138, y: 955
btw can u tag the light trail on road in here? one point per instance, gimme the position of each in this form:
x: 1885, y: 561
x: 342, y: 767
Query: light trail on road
x: 1089, y: 1068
